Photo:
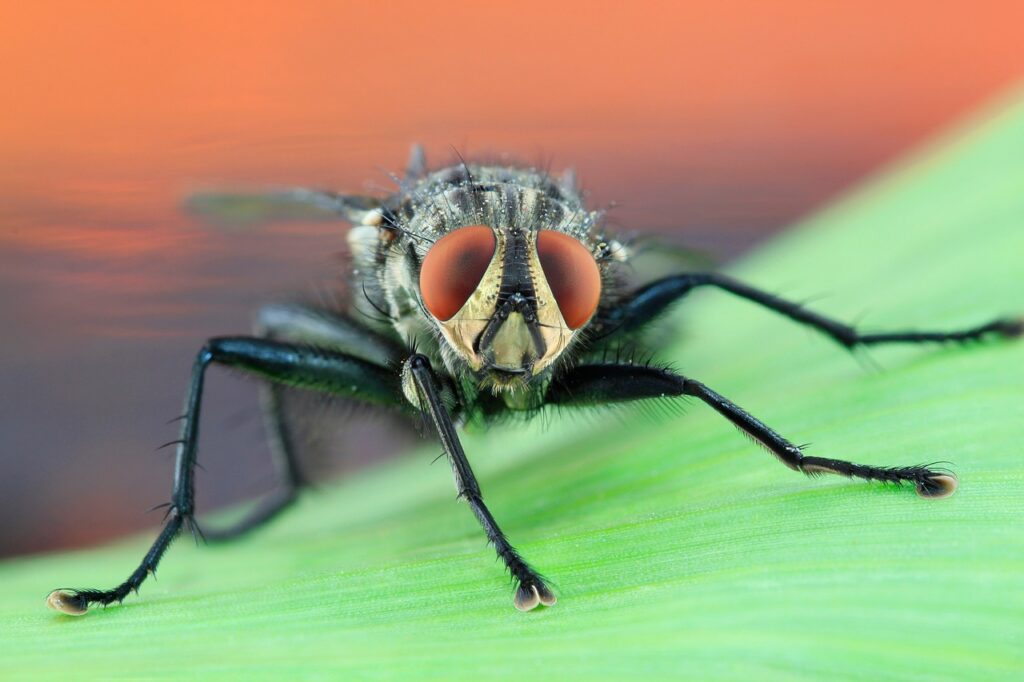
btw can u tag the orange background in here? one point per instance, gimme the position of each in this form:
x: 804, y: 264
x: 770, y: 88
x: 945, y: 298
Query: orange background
x: 771, y: 106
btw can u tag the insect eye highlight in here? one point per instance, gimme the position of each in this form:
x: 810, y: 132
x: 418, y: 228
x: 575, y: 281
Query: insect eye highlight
x: 572, y: 274
x: 453, y: 267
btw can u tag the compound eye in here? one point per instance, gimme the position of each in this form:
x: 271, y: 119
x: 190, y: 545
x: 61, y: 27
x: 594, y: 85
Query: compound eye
x: 572, y: 274
x: 454, y: 267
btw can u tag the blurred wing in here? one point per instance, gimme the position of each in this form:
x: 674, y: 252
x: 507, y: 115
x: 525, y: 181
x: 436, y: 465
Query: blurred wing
x: 252, y: 208
x: 651, y: 258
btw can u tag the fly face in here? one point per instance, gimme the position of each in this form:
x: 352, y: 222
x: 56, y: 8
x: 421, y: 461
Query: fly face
x: 509, y: 301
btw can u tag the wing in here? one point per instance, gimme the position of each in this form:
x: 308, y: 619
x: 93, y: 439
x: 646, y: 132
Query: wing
x: 242, y: 208
x: 246, y: 208
x: 652, y: 257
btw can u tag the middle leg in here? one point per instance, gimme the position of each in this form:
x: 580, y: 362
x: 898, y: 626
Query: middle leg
x: 299, y: 366
x: 322, y: 329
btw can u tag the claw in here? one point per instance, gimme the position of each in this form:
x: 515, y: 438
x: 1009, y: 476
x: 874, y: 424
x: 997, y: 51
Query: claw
x: 529, y: 596
x: 547, y: 597
x: 68, y: 603
x: 937, y: 486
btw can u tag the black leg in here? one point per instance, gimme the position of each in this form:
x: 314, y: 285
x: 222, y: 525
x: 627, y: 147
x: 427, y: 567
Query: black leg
x: 600, y: 384
x: 531, y: 589
x: 323, y: 329
x: 647, y: 303
x: 293, y: 365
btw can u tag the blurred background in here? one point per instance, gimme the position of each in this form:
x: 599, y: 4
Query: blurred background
x: 718, y: 124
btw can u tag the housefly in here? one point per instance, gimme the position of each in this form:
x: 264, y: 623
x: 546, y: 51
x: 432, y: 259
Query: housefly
x: 481, y: 290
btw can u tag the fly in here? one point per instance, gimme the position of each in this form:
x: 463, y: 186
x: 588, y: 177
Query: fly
x: 482, y: 290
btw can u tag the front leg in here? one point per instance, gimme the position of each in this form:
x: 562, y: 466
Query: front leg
x: 531, y: 589
x: 602, y: 384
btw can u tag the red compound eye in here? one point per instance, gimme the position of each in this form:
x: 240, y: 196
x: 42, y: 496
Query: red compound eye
x: 572, y: 275
x: 454, y: 267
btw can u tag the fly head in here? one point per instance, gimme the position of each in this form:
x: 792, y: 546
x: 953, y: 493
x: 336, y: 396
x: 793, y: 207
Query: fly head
x: 509, y: 301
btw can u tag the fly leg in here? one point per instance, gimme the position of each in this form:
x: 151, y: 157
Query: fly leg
x: 315, y: 327
x: 651, y: 300
x: 531, y: 589
x: 601, y: 384
x: 294, y: 365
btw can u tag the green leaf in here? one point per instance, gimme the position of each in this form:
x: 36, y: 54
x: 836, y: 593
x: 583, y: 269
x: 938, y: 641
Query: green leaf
x: 676, y: 547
